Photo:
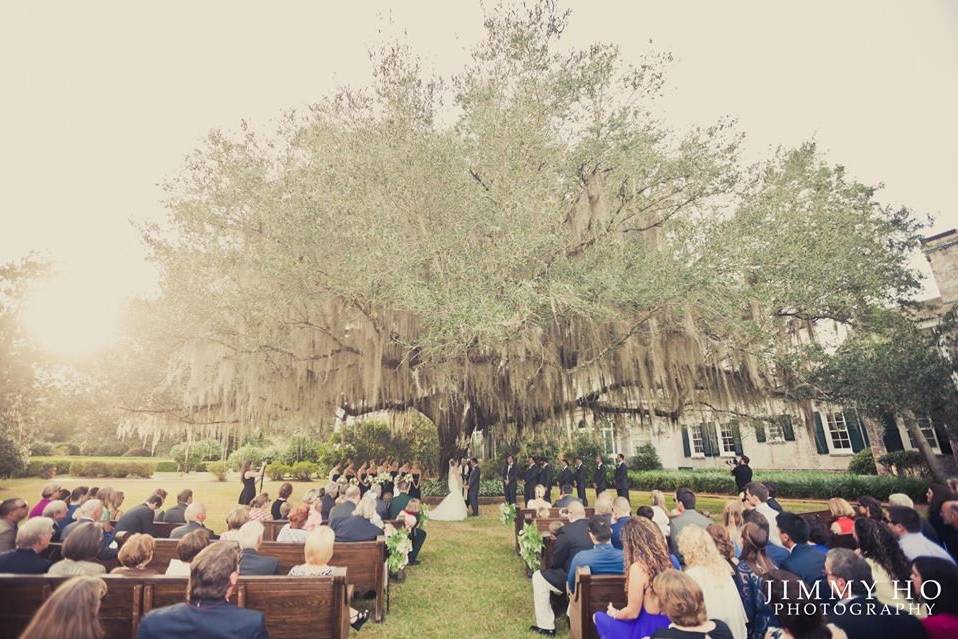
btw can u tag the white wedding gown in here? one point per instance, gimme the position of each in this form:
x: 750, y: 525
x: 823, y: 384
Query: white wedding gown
x: 453, y: 507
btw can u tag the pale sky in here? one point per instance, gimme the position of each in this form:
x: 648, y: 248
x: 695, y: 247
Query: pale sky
x: 103, y: 100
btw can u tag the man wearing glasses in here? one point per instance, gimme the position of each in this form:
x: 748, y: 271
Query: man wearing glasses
x: 12, y: 512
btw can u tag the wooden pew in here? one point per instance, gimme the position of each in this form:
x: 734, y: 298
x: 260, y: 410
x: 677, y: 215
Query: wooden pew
x: 592, y: 594
x: 271, y: 528
x: 161, y: 529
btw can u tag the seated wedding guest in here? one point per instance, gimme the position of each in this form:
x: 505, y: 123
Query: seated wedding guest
x: 603, y: 506
x: 683, y: 602
x: 46, y: 496
x: 347, y: 506
x: 804, y: 559
x: 284, y: 509
x: 363, y: 525
x: 139, y: 519
x: 687, y: 516
x: 733, y: 522
x: 776, y: 554
x: 565, y: 496
x: 936, y: 495
x: 57, y: 511
x: 79, y: 495
x: 257, y: 508
x: 80, y: 552
x: 661, y: 512
x: 868, y: 506
x: 187, y: 548
x: 842, y: 516
x: 116, y: 500
x: 293, y: 532
x: 251, y: 562
x: 949, y: 514
x: 195, y: 516
x: 72, y: 611
x: 208, y: 611
x: 33, y: 537
x: 724, y: 545
x: 901, y: 499
x: 905, y: 523
x: 571, y: 538
x: 646, y: 557
x: 539, y: 499
x: 621, y: 514
x: 888, y: 564
x: 328, y: 501
x: 284, y: 492
x: 91, y: 511
x: 942, y: 623
x: 382, y: 506
x: 234, y: 521
x: 134, y: 556
x: 177, y: 514
x: 413, y: 524
x: 756, y: 498
x: 794, y: 614
x: 772, y: 502
x: 400, y: 499
x: 104, y: 495
x: 751, y: 570
x: 714, y: 576
x: 318, y: 551
x: 851, y: 582
x: 603, y: 558
x: 818, y: 534
x: 12, y: 512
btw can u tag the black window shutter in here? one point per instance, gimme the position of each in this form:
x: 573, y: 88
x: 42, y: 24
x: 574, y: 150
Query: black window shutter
x: 943, y: 443
x: 788, y: 430
x: 686, y: 446
x: 736, y: 437
x: 891, y: 436
x: 760, y: 432
x: 821, y: 444
x: 712, y: 437
x: 854, y: 429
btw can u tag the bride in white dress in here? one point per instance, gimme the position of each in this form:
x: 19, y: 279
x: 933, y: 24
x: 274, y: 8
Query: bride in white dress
x: 453, y: 507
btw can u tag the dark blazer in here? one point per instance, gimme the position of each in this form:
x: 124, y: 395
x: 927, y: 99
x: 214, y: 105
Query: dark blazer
x: 621, y: 477
x: 869, y: 626
x: 175, y: 515
x: 564, y: 501
x: 530, y: 475
x: 355, y: 528
x: 570, y: 539
x: 177, y: 533
x: 600, y: 481
x: 274, y: 510
x: 545, y: 478
x: 253, y: 563
x: 397, y: 505
x: 205, y: 620
x: 580, y: 482
x: 565, y: 477
x: 808, y: 562
x: 328, y: 503
x: 138, y: 519
x: 474, y: 478
x: 510, y: 475
x: 341, y: 511
x: 23, y: 561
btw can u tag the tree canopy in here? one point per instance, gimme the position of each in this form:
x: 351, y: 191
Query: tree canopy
x: 504, y: 245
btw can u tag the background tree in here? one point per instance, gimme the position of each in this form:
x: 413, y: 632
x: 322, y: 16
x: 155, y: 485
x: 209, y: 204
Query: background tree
x: 504, y: 246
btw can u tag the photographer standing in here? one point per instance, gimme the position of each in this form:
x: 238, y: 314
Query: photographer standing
x: 742, y: 472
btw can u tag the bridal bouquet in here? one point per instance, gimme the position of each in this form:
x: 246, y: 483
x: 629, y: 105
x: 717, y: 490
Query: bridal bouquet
x: 530, y: 545
x: 507, y: 513
x: 399, y: 546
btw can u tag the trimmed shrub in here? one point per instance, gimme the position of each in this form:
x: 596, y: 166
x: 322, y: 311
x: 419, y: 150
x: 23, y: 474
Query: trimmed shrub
x: 66, y: 449
x: 277, y: 471
x: 41, y: 448
x: 645, y: 458
x: 303, y: 470
x: 166, y: 466
x: 13, y: 461
x: 187, y: 456
x: 219, y: 469
x: 863, y: 463
x: 247, y: 452
x: 111, y: 469
x: 138, y: 452
x: 440, y: 488
x: 46, y: 468
x: 910, y: 463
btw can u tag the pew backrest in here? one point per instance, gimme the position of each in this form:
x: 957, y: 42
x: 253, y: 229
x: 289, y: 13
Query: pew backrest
x: 592, y: 594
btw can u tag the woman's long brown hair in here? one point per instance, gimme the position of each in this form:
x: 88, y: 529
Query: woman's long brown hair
x: 643, y: 543
x: 73, y: 610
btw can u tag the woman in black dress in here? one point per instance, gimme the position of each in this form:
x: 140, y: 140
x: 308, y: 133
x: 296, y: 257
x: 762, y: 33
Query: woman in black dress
x: 415, y: 486
x: 248, y: 477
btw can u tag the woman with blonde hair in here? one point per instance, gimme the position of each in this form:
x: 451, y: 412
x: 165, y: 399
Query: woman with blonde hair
x: 706, y: 566
x: 73, y: 610
x: 234, y: 521
x: 661, y: 512
x: 683, y: 601
x: 105, y: 495
x: 645, y: 556
x: 135, y: 555
x: 843, y: 516
x: 733, y: 521
x: 539, y: 501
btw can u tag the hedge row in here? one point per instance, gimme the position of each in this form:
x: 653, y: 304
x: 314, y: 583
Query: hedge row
x: 52, y: 466
x: 440, y: 488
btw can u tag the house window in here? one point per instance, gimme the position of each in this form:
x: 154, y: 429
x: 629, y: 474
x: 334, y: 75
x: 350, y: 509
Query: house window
x: 727, y: 440
x: 776, y: 432
x: 838, y: 431
x: 928, y: 430
x: 696, y: 439
x: 608, y: 439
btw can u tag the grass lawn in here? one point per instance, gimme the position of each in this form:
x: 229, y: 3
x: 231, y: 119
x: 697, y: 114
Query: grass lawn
x: 471, y: 584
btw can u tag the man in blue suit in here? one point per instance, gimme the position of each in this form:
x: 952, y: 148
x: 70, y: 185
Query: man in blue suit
x: 804, y: 559
x: 209, y: 613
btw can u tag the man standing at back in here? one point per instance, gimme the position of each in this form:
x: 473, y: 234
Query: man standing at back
x: 530, y: 477
x: 213, y: 576
x: 622, y: 478
x: 473, y: 492
x: 600, y: 480
x: 509, y: 477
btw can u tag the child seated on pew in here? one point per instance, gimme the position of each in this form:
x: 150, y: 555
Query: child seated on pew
x: 318, y: 550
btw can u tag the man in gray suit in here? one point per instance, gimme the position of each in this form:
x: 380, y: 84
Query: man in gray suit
x: 473, y: 492
x: 688, y: 516
x: 251, y: 562
x: 195, y: 515
x: 345, y: 509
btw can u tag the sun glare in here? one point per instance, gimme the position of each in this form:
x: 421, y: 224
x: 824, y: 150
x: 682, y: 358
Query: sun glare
x: 69, y: 317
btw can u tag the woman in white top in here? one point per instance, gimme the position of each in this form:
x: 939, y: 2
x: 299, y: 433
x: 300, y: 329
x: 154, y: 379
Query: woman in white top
x: 80, y: 551
x: 712, y: 573
x: 661, y: 517
x: 187, y: 547
x: 318, y: 551
x: 293, y: 532
x: 539, y: 500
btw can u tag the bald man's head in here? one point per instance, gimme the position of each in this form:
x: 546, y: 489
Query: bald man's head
x: 576, y: 510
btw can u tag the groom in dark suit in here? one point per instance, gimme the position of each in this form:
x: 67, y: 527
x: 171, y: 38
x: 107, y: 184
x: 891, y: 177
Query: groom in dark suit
x: 473, y: 484
x: 622, y: 477
x: 580, y: 480
x: 509, y: 476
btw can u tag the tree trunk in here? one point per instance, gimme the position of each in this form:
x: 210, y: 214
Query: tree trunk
x: 448, y: 420
x: 911, y: 423
x: 876, y: 442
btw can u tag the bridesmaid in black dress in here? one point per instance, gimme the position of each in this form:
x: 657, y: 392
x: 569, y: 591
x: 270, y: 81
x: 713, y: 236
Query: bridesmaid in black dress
x: 248, y: 477
x: 415, y: 487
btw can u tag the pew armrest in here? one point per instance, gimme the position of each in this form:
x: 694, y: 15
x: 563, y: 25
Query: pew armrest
x: 579, y: 618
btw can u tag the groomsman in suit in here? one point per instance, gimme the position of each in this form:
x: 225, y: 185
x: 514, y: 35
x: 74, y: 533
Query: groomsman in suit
x: 473, y: 485
x: 545, y: 478
x: 600, y: 480
x: 622, y: 478
x: 580, y: 480
x: 509, y: 476
x: 531, y: 477
x: 565, y: 474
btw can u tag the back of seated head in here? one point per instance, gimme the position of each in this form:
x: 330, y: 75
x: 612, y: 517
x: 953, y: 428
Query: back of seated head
x: 311, y: 495
x: 298, y: 516
x: 770, y: 487
x: 237, y: 517
x: 907, y: 517
x: 793, y: 526
x: 366, y: 507
x: 566, y: 489
x: 600, y: 529
x: 7, y: 506
x: 250, y: 535
x: 83, y: 544
x: 32, y: 531
x: 755, y: 517
x: 622, y: 507
x: 686, y: 497
x: 184, y: 496
x: 156, y: 500
x: 91, y: 508
x: 319, y: 546
x: 284, y: 509
x: 787, y: 590
x: 259, y: 501
x: 191, y: 544
x: 55, y: 507
x: 576, y: 510
x: 78, y: 493
x: 540, y: 491
x: 159, y: 492
x: 211, y: 571
x: 332, y: 489
x: 195, y: 512
x: 603, y: 505
x: 136, y: 550
x: 680, y: 598
x: 818, y: 533
x: 353, y: 492
x: 850, y: 566
x: 645, y: 511
x: 758, y: 490
x: 285, y: 490
x: 901, y: 499
x: 413, y: 505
